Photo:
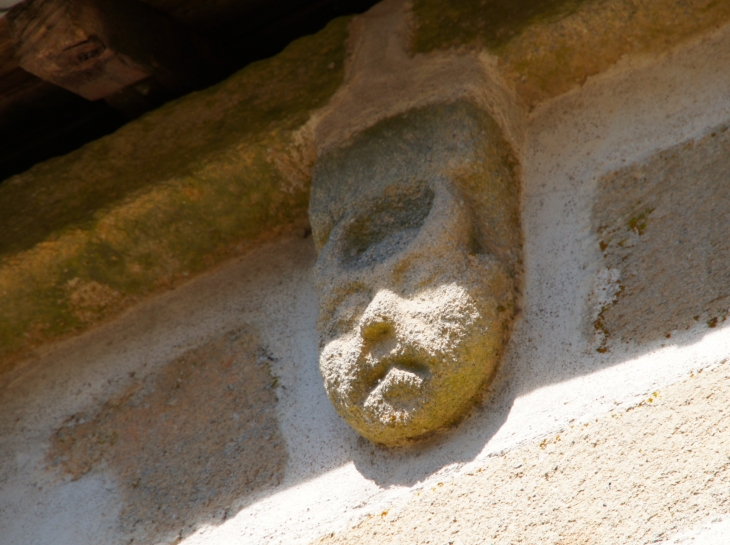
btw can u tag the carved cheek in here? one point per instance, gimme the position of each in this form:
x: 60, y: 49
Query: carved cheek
x: 334, y: 358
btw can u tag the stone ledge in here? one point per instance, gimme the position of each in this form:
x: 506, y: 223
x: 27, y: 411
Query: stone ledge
x: 84, y: 236
x: 547, y: 48
x: 632, y: 476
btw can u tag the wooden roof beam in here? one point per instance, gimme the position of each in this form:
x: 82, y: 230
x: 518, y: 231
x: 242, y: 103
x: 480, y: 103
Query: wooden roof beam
x: 119, y: 50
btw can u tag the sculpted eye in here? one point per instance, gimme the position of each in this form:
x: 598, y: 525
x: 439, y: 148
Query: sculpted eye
x: 386, y: 227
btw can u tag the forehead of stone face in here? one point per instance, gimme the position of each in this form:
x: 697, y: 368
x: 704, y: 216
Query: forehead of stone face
x: 409, y: 150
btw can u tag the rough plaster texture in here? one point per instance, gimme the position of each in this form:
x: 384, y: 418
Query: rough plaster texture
x: 712, y: 531
x: 663, y: 229
x: 633, y: 476
x: 417, y: 221
x: 161, y: 422
x: 187, y: 442
x: 552, y: 376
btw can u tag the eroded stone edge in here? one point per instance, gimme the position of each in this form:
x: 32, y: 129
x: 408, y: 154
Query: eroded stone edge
x: 183, y: 189
x: 215, y: 189
x: 598, y: 481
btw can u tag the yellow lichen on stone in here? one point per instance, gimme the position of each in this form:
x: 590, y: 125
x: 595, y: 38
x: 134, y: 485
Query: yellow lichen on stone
x: 547, y: 47
x: 84, y: 235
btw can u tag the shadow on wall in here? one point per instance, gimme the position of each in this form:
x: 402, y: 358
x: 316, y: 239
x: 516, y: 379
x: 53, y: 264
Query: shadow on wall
x: 664, y: 235
x: 188, y: 444
x: 198, y: 440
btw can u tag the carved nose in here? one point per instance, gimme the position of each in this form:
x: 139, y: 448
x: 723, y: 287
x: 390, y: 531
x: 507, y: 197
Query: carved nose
x: 377, y: 323
x: 374, y: 331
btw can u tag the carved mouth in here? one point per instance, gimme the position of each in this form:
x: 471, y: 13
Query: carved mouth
x: 399, y: 382
x: 409, y: 365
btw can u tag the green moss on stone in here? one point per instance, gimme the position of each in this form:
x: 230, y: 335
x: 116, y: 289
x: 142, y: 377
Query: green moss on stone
x: 489, y: 23
x: 171, y: 194
x: 547, y: 47
x: 178, y: 140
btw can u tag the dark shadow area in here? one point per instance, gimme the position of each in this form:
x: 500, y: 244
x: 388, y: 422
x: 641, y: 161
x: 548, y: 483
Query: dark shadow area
x: 460, y: 444
x: 39, y: 120
x: 70, y: 191
x: 47, y: 121
x: 262, y: 29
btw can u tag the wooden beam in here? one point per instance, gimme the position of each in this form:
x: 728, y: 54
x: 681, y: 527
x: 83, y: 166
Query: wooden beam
x: 8, y: 62
x: 98, y: 48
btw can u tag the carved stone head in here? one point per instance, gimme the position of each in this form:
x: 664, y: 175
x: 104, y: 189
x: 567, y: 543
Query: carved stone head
x: 417, y: 225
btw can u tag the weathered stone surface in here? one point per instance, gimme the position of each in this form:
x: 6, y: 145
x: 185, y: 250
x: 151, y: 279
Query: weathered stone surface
x: 417, y: 222
x: 546, y: 48
x: 171, y: 194
x: 664, y: 231
x: 190, y: 440
x: 84, y: 236
x: 666, y: 460
x: 634, y: 476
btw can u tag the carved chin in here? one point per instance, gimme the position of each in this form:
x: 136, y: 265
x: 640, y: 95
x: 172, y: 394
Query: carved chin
x: 408, y: 367
x: 401, y: 399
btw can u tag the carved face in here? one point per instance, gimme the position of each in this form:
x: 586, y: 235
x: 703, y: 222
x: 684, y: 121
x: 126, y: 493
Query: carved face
x: 412, y: 318
x: 409, y: 323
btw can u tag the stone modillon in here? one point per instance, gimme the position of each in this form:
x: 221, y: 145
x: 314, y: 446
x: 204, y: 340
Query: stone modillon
x: 417, y: 225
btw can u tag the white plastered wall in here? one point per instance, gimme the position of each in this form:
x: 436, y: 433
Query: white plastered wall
x: 551, y: 376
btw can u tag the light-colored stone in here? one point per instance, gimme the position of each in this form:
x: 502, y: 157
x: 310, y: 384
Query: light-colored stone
x: 633, y: 476
x: 417, y: 222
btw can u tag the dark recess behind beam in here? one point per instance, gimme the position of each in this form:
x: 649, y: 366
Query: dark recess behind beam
x: 39, y: 120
